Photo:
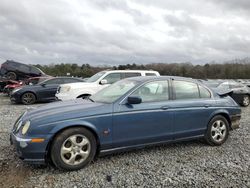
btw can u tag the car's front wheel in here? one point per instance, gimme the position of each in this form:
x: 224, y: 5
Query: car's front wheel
x: 28, y: 98
x: 73, y: 149
x: 245, y: 101
x: 217, y: 131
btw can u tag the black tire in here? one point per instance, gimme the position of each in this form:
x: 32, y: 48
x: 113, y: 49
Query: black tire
x: 28, y: 98
x: 245, y: 101
x: 62, y: 161
x: 212, y: 136
x: 11, y: 75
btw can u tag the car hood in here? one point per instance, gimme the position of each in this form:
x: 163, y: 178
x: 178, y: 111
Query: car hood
x: 79, y: 84
x: 59, y: 111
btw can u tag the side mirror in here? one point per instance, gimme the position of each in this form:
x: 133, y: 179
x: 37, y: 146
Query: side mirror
x: 134, y: 100
x: 43, y: 84
x: 103, y: 82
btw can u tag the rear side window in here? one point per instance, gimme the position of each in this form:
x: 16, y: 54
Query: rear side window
x: 186, y: 90
x: 24, y: 68
x: 150, y: 74
x: 71, y: 80
x: 54, y: 81
x: 131, y: 74
x: 204, y: 92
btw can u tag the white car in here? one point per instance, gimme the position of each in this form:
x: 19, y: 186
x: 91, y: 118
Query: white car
x: 97, y: 82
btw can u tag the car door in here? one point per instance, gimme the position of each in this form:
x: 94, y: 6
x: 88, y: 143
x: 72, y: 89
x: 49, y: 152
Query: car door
x: 193, y: 107
x: 49, y: 88
x: 147, y: 122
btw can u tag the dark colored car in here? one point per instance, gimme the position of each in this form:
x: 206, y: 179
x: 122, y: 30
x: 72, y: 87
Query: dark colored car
x: 36, y: 80
x: 240, y: 93
x: 131, y: 113
x: 19, y: 71
x: 42, y: 92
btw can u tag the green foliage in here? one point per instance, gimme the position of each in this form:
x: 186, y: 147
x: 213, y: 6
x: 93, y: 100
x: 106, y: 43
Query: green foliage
x: 230, y: 70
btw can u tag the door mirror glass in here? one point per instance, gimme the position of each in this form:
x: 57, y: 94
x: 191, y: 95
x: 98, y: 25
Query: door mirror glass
x: 103, y: 82
x: 134, y: 100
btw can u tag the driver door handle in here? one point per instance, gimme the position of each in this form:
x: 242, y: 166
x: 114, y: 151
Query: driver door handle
x: 164, y: 107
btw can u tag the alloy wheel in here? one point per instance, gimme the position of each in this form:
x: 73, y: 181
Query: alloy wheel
x: 218, y: 131
x: 75, y: 149
x: 246, y: 101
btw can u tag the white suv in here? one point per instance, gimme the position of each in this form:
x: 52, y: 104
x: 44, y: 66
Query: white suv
x: 97, y: 82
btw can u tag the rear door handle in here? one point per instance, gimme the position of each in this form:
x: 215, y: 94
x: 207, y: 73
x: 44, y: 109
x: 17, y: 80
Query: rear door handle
x: 164, y: 107
x: 207, y: 105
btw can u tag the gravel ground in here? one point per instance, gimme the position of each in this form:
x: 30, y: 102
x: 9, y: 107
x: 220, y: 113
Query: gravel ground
x: 186, y: 164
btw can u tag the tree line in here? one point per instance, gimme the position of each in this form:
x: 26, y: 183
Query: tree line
x: 230, y: 70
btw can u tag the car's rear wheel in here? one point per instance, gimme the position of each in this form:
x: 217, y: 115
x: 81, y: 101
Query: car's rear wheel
x: 28, y: 98
x: 73, y: 149
x: 217, y: 131
x: 11, y: 75
x: 245, y: 101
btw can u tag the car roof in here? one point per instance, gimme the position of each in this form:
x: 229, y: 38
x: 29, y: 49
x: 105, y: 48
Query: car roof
x: 148, y: 71
x: 149, y: 78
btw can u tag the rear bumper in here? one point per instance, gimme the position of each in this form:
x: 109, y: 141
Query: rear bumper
x: 235, y: 121
x: 33, y: 153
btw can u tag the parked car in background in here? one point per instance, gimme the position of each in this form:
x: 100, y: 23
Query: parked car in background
x: 239, y: 92
x: 36, y: 80
x: 4, y: 82
x: 97, y: 82
x: 18, y: 71
x: 131, y: 113
x: 12, y: 85
x: 42, y: 92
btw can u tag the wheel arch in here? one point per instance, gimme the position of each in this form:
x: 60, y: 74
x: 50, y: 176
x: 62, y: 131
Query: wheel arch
x: 223, y: 113
x: 57, y: 131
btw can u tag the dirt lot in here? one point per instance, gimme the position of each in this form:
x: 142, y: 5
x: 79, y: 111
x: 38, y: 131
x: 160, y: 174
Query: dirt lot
x: 187, y: 164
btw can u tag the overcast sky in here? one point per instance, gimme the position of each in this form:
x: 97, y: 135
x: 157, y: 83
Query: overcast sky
x: 124, y: 31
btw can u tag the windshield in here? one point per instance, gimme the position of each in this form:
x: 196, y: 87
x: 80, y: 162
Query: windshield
x: 96, y: 76
x: 114, y: 91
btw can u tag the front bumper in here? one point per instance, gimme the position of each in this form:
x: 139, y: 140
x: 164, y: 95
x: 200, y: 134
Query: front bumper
x: 235, y: 121
x: 33, y: 153
x: 64, y: 96
x: 15, y: 97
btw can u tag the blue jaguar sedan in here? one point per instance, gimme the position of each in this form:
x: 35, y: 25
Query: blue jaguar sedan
x: 131, y: 113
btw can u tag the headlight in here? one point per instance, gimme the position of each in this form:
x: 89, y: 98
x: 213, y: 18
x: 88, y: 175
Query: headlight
x: 26, y: 127
x: 65, y: 89
x: 15, y: 90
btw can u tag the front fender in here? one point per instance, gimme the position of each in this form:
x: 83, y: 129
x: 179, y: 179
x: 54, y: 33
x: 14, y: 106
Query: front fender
x: 68, y: 124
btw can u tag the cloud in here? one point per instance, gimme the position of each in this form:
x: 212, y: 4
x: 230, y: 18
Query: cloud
x: 123, y: 31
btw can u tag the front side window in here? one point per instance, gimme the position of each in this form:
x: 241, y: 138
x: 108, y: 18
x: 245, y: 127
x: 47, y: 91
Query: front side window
x: 153, y: 91
x: 96, y: 76
x: 112, y: 78
x: 114, y: 91
x: 185, y: 90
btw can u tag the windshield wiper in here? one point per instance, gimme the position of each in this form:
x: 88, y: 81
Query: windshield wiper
x: 88, y: 98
